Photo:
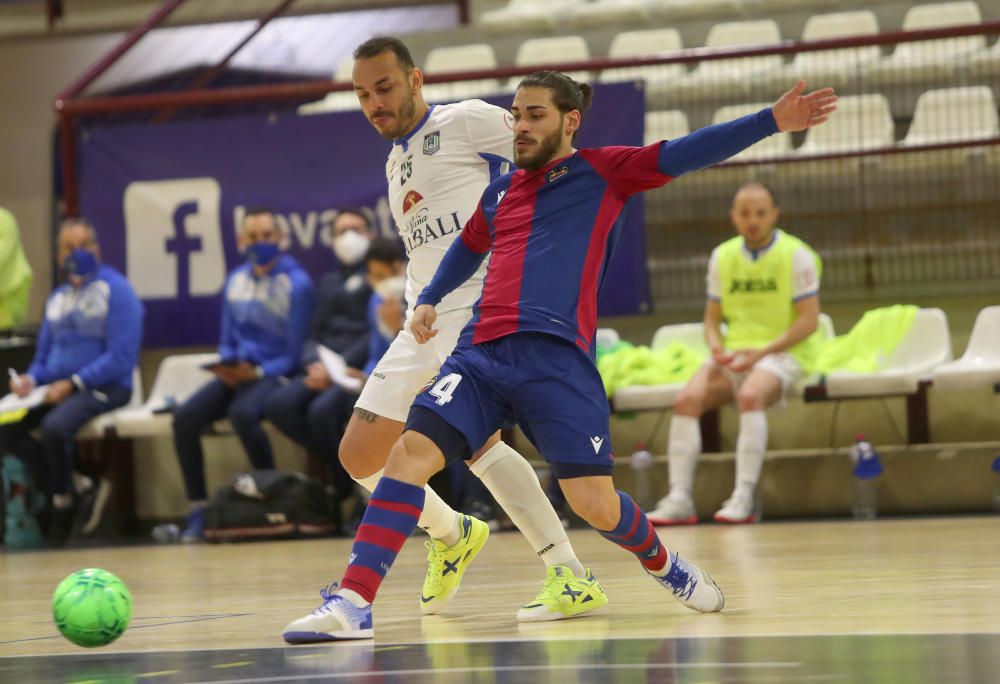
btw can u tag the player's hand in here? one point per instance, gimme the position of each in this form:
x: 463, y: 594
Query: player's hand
x: 422, y: 325
x: 58, y: 390
x: 317, y: 378
x: 745, y: 359
x: 722, y: 357
x: 796, y: 112
x: 243, y: 372
x: 22, y: 385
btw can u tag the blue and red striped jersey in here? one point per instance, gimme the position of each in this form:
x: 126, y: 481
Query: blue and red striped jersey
x: 550, y: 231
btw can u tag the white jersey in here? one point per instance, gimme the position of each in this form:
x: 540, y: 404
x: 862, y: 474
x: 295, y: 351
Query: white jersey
x: 437, y: 174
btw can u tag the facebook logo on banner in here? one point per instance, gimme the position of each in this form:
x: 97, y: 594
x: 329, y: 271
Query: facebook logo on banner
x: 174, y: 238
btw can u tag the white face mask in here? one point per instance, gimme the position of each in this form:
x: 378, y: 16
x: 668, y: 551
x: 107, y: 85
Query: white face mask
x: 351, y: 247
x: 391, y: 288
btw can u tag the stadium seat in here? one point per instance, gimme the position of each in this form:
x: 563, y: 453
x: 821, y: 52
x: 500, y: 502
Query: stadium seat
x: 980, y: 364
x: 778, y: 145
x: 448, y: 60
x: 926, y: 346
x: 862, y: 122
x: 97, y: 427
x: 661, y: 397
x: 948, y: 115
x: 558, y: 50
x: 775, y: 6
x: 732, y: 77
x: 607, y: 337
x: 519, y: 14
x: 985, y: 63
x: 177, y: 378
x: 341, y: 101
x: 683, y: 10
x: 601, y: 13
x: 834, y: 68
x: 665, y: 126
x: 927, y: 60
x: 643, y: 43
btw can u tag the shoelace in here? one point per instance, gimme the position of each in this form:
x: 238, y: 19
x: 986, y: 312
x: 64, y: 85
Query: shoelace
x: 328, y: 593
x: 435, y: 564
x: 682, y: 583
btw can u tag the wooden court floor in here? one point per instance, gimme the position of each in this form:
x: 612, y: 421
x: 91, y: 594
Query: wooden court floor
x: 909, y: 600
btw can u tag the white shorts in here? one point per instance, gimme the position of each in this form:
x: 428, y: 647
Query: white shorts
x: 408, y: 366
x: 781, y: 365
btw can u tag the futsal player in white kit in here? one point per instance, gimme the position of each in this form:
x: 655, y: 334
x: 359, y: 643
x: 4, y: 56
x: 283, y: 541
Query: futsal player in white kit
x: 442, y: 159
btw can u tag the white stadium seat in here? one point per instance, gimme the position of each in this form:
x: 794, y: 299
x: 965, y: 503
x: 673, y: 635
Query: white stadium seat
x: 732, y: 77
x: 833, y: 68
x: 925, y: 60
x: 658, y: 78
x: 448, y: 60
x: 665, y: 126
x: 862, y: 122
x: 542, y: 51
x: 521, y: 14
x: 341, y: 101
x: 680, y: 10
x: 986, y: 63
x: 607, y: 337
x: 926, y: 346
x: 602, y: 13
x: 177, y: 378
x: 661, y: 397
x: 980, y: 364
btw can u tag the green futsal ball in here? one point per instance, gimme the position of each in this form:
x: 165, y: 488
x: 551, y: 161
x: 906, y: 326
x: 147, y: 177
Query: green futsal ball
x: 92, y: 607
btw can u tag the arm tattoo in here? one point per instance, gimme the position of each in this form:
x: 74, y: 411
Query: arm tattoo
x: 366, y: 416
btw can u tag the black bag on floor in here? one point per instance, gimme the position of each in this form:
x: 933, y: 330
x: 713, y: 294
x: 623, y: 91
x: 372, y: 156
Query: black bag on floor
x: 269, y: 504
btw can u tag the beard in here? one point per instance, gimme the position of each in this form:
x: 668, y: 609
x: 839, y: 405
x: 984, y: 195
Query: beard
x: 403, y: 119
x: 543, y: 153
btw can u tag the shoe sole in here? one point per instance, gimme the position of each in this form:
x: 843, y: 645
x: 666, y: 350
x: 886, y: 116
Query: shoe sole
x: 671, y: 522
x: 735, y: 521
x: 318, y: 637
x: 552, y: 617
x: 97, y: 512
x: 432, y: 607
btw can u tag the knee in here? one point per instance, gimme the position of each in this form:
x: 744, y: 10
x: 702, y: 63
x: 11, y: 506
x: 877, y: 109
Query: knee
x: 186, y: 419
x: 276, y: 407
x: 689, y: 403
x: 749, y: 399
x: 244, y: 417
x: 600, y: 512
x: 414, y: 458
x: 53, y: 426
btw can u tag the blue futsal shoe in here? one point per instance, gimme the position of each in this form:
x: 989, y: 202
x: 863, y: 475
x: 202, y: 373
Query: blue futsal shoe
x: 336, y: 619
x: 692, y: 586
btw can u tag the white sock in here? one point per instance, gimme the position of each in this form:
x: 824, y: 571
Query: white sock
x: 438, y: 519
x: 683, y: 449
x: 353, y: 597
x: 750, y: 448
x: 513, y: 483
x: 62, y: 501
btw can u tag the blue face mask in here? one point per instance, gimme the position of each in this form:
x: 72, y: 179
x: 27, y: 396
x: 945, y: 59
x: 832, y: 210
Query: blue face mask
x: 262, y: 253
x: 80, y: 262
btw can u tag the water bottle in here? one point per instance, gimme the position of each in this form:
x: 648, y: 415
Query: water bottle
x: 867, y: 469
x: 641, y: 462
x: 166, y: 534
x: 996, y: 490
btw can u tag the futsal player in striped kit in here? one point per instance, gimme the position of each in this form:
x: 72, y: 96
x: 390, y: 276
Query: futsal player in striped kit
x: 527, y: 354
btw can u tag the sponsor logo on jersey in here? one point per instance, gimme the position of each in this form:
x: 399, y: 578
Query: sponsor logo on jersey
x: 739, y: 285
x: 421, y: 228
x: 556, y: 174
x: 412, y: 199
x: 500, y: 195
x: 432, y: 142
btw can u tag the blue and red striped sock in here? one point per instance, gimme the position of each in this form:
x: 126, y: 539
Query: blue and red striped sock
x: 635, y: 533
x: 391, y: 517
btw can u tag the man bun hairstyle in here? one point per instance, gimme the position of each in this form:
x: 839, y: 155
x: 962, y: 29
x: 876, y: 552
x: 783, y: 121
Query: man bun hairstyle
x: 567, y: 94
x: 373, y: 47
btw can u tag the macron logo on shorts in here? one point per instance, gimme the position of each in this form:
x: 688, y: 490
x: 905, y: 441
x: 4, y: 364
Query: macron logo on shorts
x: 597, y: 442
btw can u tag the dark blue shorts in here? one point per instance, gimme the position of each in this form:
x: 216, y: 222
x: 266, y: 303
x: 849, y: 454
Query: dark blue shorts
x: 547, y: 385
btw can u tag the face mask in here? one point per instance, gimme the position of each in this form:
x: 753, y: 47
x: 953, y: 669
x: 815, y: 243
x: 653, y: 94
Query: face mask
x: 391, y: 288
x: 262, y: 253
x: 80, y: 262
x: 350, y: 247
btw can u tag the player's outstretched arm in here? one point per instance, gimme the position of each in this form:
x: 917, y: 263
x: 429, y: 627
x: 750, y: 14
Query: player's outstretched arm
x: 796, y: 112
x: 717, y: 143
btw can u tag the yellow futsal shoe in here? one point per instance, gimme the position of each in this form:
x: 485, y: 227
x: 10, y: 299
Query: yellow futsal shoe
x: 446, y: 564
x: 564, y: 596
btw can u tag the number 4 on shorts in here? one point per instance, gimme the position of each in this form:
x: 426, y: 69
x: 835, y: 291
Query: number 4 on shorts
x: 444, y: 388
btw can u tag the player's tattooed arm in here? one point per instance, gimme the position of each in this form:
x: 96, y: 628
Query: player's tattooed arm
x: 366, y: 416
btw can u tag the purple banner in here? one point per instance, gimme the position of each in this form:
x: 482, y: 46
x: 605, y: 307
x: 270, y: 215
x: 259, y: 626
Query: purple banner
x: 167, y: 200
